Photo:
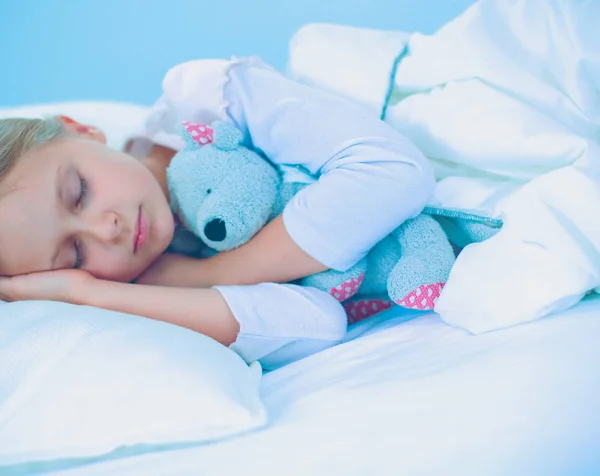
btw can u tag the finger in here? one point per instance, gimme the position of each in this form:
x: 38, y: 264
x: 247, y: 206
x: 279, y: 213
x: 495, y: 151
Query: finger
x: 4, y: 289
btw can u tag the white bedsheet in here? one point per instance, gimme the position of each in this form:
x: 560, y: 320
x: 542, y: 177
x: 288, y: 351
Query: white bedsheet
x: 419, y: 398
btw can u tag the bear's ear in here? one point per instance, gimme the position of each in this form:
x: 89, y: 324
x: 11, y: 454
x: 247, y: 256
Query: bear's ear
x: 226, y: 136
x: 196, y: 135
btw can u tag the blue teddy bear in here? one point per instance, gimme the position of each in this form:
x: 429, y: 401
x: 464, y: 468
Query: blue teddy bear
x: 224, y: 193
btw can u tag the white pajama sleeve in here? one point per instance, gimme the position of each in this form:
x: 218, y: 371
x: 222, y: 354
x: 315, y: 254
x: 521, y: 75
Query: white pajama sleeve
x: 371, y: 177
x: 281, y: 323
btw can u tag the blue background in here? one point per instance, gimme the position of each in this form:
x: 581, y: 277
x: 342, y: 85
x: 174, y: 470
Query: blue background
x: 58, y: 50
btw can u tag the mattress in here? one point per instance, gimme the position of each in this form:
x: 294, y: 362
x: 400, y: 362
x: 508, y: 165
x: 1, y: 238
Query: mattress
x: 408, y: 394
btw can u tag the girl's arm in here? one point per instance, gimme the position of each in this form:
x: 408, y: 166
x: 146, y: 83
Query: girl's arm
x: 273, y: 323
x: 371, y: 178
x: 273, y: 245
x: 272, y: 255
x: 201, y: 310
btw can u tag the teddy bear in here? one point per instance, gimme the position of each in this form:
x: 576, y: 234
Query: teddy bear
x: 224, y: 193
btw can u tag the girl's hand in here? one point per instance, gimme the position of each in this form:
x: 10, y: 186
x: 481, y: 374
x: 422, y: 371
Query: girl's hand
x: 67, y: 285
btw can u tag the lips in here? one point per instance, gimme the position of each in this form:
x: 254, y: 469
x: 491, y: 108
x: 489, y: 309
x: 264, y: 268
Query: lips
x: 141, y: 232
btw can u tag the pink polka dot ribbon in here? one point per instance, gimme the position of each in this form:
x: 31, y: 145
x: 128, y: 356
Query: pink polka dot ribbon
x: 200, y: 133
x: 423, y: 298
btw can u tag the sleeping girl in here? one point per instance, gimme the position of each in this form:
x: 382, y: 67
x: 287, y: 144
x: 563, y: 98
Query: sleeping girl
x: 87, y: 224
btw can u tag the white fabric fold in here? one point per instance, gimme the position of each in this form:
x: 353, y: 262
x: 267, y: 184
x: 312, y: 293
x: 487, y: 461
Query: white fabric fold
x: 354, y: 62
x: 505, y: 102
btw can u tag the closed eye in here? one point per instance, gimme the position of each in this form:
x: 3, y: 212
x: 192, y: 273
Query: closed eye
x: 81, y: 196
x: 78, y: 256
x: 82, y: 192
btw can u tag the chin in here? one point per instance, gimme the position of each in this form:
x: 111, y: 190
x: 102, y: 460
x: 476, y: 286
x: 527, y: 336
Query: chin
x: 127, y: 277
x: 133, y: 272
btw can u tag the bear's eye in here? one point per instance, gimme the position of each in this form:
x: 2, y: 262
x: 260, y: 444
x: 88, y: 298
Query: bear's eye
x: 209, y: 191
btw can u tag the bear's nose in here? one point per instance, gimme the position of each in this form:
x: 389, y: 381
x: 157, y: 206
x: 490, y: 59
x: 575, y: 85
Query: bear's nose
x: 215, y: 230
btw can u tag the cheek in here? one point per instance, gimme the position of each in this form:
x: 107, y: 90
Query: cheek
x: 111, y: 266
x: 115, y: 266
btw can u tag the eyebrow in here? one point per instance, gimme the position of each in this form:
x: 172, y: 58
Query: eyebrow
x: 58, y: 180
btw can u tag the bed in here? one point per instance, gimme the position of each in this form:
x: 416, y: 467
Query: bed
x: 408, y: 394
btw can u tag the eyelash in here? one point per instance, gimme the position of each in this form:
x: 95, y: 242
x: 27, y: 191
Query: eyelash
x: 78, y: 258
x: 78, y: 202
x: 83, y: 193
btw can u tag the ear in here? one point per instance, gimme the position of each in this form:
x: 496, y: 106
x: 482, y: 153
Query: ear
x: 196, y: 135
x: 82, y: 130
x: 227, y: 136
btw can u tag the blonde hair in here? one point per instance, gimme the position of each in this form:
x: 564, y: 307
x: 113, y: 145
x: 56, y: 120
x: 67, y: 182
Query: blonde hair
x: 18, y: 136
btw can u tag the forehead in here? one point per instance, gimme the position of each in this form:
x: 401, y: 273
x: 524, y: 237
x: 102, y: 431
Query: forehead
x: 27, y: 213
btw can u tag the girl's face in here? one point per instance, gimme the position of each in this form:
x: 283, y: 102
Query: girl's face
x: 75, y: 203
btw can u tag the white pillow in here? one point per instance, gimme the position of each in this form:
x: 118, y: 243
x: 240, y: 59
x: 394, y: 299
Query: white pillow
x: 77, y: 382
x: 117, y: 120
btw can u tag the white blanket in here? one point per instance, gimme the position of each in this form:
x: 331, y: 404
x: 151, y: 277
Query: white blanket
x: 505, y: 101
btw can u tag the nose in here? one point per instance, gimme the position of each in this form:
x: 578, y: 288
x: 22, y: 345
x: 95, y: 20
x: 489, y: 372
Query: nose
x: 107, y: 228
x: 215, y: 230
